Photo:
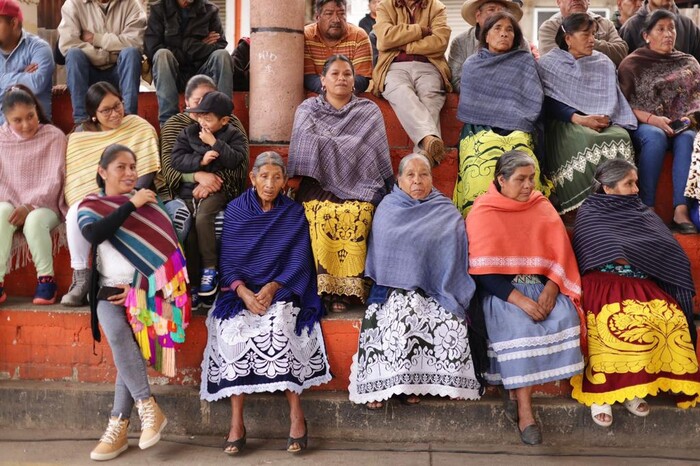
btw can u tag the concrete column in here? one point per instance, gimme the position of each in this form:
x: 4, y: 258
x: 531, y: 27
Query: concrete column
x: 276, y: 68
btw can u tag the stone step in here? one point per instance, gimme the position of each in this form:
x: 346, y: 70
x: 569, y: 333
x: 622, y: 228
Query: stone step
x: 85, y: 407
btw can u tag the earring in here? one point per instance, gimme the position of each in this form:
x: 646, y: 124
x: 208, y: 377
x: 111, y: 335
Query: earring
x: 323, y: 89
x: 94, y: 119
x: 353, y: 89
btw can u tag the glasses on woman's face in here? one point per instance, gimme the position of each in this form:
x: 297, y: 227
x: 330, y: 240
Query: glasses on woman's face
x: 106, y: 112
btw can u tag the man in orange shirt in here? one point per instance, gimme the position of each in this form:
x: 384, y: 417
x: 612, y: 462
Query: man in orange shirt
x: 331, y: 34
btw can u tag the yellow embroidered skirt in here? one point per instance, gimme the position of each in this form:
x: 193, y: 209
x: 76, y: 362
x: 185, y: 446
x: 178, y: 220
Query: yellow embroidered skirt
x: 638, y: 343
x: 479, y: 150
x: 339, y: 232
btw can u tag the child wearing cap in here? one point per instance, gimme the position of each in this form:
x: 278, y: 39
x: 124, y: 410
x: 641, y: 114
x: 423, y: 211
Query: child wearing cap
x: 211, y: 145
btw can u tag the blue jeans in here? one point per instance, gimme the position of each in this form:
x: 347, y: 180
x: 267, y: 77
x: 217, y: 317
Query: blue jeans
x: 166, y: 74
x: 125, y: 76
x: 651, y: 144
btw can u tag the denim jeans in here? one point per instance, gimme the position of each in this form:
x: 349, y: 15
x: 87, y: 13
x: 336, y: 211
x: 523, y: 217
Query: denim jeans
x: 132, y: 382
x: 125, y: 76
x: 651, y: 144
x: 166, y: 74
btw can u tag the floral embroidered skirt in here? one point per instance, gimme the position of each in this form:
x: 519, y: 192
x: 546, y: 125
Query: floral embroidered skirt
x: 479, y: 150
x: 339, y: 232
x: 411, y: 345
x: 573, y: 153
x: 638, y: 343
x: 523, y: 352
x: 249, y: 353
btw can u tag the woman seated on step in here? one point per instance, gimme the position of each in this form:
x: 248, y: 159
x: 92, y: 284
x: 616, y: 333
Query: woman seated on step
x: 500, y: 102
x: 662, y: 85
x: 138, y: 294
x: 587, y: 115
x: 414, y: 337
x: 32, y: 167
x: 264, y: 330
x: 638, y: 299
x: 339, y: 148
x: 106, y: 124
x: 524, y: 265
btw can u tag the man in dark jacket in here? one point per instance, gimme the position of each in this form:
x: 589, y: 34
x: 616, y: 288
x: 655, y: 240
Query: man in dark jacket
x: 687, y: 33
x: 184, y: 38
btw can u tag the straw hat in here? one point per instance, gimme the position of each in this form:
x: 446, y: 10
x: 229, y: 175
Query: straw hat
x: 470, y: 6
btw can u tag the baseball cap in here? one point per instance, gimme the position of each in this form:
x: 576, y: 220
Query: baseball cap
x: 11, y: 8
x: 214, y: 102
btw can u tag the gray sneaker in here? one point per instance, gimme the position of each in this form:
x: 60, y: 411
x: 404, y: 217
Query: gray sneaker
x: 78, y: 289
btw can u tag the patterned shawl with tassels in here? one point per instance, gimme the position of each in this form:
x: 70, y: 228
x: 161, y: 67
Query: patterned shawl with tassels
x: 158, y: 305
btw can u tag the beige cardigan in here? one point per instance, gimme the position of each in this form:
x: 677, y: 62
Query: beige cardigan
x: 394, y: 32
x: 123, y: 26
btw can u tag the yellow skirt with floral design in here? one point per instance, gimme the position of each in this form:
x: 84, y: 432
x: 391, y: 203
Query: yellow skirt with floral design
x: 638, y: 343
x: 339, y: 234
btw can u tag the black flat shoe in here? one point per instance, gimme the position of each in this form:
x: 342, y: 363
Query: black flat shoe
x: 684, y: 228
x: 238, y: 444
x: 301, y: 441
x: 531, y: 435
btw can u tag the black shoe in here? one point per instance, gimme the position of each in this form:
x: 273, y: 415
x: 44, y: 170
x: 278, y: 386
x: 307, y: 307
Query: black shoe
x: 301, y: 441
x: 684, y: 228
x: 531, y: 435
x: 238, y: 444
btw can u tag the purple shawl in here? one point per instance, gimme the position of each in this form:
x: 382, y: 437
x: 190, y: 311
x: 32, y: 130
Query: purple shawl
x: 345, y: 150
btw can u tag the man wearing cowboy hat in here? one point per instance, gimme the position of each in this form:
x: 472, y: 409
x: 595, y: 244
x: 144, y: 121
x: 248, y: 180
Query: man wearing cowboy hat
x: 607, y: 40
x: 475, y: 13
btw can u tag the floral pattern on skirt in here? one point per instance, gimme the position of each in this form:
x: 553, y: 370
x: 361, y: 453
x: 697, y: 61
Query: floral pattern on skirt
x: 412, y: 345
x: 249, y: 353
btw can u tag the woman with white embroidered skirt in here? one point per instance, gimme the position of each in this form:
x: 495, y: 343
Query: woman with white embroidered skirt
x: 264, y: 330
x: 32, y: 166
x: 415, y: 339
x: 521, y: 258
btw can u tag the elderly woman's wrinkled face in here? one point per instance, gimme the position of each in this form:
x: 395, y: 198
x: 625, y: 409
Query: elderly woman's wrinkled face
x: 110, y: 112
x: 627, y: 186
x: 581, y: 43
x: 268, y: 182
x: 339, y: 80
x: 416, y: 179
x: 662, y: 37
x: 520, y: 184
x: 501, y: 36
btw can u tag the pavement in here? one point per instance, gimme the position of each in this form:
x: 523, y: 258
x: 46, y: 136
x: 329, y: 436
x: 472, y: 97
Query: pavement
x: 37, y: 447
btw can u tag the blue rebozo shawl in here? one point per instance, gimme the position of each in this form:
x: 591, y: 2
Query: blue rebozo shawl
x: 610, y: 227
x: 259, y: 247
x: 421, y: 244
x: 588, y: 84
x: 501, y: 91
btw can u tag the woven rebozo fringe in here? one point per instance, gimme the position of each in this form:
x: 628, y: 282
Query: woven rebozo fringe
x: 19, y: 251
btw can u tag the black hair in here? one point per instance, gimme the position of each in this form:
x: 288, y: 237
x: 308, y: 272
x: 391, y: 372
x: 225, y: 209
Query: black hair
x: 334, y: 58
x: 655, y: 17
x: 491, y: 22
x: 94, y: 96
x: 319, y: 4
x: 108, y: 155
x: 576, y: 22
x: 196, y: 81
x: 21, y: 94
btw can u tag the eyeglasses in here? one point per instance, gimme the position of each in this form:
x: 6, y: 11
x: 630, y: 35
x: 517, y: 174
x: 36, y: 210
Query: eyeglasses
x: 118, y: 107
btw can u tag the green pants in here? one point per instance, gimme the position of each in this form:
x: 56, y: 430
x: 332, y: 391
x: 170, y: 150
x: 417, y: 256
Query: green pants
x: 37, y: 231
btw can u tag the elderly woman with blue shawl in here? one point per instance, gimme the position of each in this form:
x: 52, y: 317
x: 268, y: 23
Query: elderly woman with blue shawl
x: 414, y: 337
x: 638, y: 299
x: 587, y: 114
x: 500, y: 102
x: 264, y: 331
